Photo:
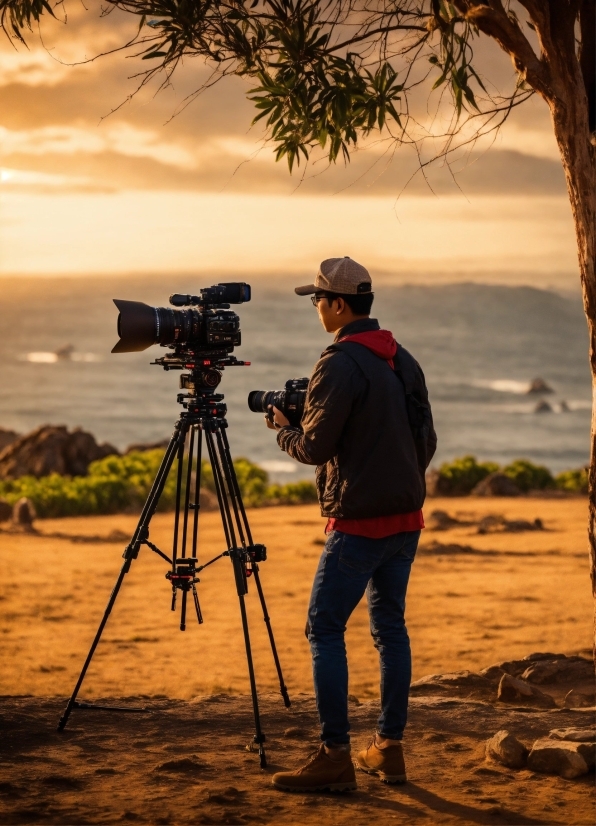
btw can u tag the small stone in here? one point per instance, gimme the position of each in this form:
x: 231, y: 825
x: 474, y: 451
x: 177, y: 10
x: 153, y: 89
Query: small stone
x: 512, y: 690
x: 543, y: 407
x: 354, y: 700
x: 23, y: 513
x: 507, y: 749
x: 578, y: 699
x: 440, y: 521
x: 295, y: 733
x: 579, y: 735
x: 558, y: 757
x: 541, y: 672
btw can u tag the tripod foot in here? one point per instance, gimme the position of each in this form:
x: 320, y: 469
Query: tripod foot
x: 286, y: 697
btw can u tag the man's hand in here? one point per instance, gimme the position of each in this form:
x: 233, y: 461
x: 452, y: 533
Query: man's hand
x: 275, y: 419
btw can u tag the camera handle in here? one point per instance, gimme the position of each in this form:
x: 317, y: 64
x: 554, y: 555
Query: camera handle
x: 203, y: 416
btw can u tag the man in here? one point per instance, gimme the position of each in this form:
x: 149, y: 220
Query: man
x: 359, y: 427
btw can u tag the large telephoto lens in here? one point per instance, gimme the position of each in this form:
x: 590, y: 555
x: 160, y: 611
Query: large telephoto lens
x: 140, y: 326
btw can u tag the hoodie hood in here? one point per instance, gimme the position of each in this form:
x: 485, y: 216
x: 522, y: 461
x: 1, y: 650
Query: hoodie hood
x: 380, y: 342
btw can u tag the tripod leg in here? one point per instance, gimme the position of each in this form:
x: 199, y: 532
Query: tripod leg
x: 191, y: 445
x: 255, y: 568
x: 221, y: 474
x: 225, y: 469
x: 130, y: 553
x: 259, y: 737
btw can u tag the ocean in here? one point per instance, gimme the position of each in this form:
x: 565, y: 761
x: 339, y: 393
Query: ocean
x: 480, y: 347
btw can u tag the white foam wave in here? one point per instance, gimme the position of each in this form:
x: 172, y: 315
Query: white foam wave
x: 277, y: 466
x: 47, y: 357
x: 504, y: 385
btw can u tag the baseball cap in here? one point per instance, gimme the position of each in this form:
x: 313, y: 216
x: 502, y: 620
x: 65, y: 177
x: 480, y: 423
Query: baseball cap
x: 339, y: 275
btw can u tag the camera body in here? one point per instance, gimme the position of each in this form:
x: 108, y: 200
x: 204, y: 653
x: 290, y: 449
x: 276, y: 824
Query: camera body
x: 201, y: 323
x: 290, y: 400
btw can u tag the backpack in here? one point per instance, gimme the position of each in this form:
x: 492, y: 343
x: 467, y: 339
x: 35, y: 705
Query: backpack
x: 420, y: 418
x: 418, y: 409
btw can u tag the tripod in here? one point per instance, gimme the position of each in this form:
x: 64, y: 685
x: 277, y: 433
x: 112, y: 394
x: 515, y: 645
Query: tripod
x: 203, y: 418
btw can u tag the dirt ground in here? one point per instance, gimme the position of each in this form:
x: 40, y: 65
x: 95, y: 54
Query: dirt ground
x: 474, y: 599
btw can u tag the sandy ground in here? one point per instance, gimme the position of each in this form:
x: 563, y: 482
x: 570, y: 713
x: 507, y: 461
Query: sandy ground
x: 510, y: 594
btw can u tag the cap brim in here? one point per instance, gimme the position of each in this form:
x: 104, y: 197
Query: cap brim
x: 309, y: 289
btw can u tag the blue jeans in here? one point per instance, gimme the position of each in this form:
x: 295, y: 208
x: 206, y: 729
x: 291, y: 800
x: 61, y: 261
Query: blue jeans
x: 349, y: 566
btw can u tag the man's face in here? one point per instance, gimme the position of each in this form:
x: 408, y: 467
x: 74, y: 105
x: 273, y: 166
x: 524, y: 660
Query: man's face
x: 329, y: 316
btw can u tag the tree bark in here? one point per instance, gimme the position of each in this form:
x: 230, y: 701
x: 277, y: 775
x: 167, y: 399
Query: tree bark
x: 571, y: 122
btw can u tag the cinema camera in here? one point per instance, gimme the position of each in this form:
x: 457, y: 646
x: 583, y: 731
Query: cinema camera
x: 201, y: 334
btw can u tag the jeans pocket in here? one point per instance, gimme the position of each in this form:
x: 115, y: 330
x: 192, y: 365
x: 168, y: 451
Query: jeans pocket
x: 360, y: 555
x: 410, y: 545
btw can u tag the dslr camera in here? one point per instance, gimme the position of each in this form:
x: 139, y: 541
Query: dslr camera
x: 290, y: 400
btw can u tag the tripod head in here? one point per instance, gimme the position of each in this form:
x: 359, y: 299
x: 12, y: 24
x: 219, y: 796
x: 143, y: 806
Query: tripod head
x: 206, y: 367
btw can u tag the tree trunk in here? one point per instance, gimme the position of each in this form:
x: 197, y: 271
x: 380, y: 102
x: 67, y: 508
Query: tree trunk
x: 569, y: 110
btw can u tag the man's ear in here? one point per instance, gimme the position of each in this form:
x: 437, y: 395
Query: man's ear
x: 341, y: 304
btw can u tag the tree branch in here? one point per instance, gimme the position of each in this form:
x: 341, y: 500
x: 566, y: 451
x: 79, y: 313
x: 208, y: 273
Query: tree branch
x: 492, y: 19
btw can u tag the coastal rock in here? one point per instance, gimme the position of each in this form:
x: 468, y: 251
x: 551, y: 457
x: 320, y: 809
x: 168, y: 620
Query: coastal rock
x: 51, y: 449
x: 543, y: 407
x: 507, y: 749
x: 5, y: 510
x: 512, y: 690
x: 560, y: 757
x: 538, y: 385
x: 7, y: 437
x: 496, y: 484
x: 579, y: 699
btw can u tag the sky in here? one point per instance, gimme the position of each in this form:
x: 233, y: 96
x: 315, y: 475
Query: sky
x: 95, y: 181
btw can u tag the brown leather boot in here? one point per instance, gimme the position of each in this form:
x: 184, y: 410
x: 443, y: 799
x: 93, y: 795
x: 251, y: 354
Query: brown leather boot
x: 320, y: 773
x: 388, y: 762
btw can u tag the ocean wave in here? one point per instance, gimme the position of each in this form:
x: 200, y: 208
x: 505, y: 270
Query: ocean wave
x: 49, y: 357
x: 504, y: 385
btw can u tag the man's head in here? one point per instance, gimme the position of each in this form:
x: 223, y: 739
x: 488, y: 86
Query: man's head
x: 342, y: 292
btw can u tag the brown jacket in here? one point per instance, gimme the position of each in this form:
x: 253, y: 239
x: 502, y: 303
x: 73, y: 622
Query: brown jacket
x: 355, y: 429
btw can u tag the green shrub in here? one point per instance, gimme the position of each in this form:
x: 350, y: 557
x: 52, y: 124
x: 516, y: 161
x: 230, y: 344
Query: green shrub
x: 573, y: 481
x: 122, y: 483
x: 294, y: 493
x: 462, y: 475
x: 528, y: 476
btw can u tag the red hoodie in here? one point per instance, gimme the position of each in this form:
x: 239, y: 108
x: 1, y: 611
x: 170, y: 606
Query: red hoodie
x: 383, y: 345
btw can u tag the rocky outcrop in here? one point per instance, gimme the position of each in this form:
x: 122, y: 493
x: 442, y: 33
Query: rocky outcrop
x: 51, y: 449
x: 507, y: 749
x: 7, y: 437
x: 538, y: 385
x: 496, y: 484
x: 141, y: 447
